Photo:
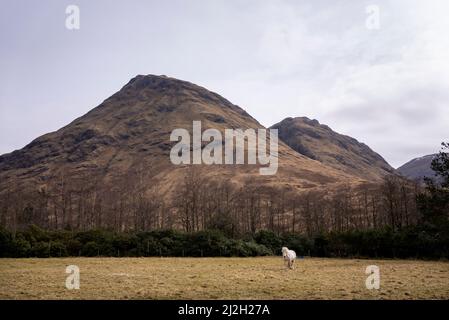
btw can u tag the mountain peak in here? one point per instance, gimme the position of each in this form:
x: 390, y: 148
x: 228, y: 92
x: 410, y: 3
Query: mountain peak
x: 418, y: 168
x: 319, y: 142
x: 306, y: 121
x: 156, y: 82
x: 143, y: 87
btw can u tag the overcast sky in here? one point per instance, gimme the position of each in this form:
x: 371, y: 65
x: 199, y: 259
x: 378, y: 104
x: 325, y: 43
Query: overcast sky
x: 386, y: 87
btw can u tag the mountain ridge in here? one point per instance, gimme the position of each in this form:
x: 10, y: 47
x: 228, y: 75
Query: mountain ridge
x: 318, y: 141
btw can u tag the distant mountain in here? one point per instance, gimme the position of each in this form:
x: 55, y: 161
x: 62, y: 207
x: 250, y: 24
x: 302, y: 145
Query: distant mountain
x: 418, y: 168
x: 319, y: 142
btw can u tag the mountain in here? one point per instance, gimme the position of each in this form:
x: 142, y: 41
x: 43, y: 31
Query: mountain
x: 319, y: 142
x: 418, y: 168
x: 126, y: 141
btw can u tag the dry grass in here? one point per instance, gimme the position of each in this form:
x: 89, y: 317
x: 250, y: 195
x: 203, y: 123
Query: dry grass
x: 221, y: 278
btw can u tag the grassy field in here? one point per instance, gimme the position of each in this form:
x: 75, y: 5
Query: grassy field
x: 221, y: 278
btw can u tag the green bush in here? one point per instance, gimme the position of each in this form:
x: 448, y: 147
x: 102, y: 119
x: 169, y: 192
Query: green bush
x: 301, y: 245
x: 6, y: 244
x: 209, y: 243
x: 256, y: 249
x: 74, y: 247
x: 58, y: 249
x: 90, y: 249
x: 21, y: 247
x: 270, y: 240
x: 41, y: 249
x: 238, y: 248
x: 320, y: 246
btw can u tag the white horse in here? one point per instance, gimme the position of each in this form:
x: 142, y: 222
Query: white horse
x: 289, y: 256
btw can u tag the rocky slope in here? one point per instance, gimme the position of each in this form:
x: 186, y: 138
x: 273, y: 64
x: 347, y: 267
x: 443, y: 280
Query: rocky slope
x: 319, y: 142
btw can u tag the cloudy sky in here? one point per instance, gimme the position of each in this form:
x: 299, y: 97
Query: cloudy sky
x: 387, y: 87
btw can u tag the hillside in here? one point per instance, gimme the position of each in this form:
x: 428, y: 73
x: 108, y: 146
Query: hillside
x: 418, y: 168
x: 128, y: 135
x: 319, y: 142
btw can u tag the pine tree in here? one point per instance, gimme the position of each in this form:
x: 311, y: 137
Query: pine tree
x: 434, y: 203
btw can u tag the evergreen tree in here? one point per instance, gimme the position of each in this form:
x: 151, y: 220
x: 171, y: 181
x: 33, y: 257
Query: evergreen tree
x: 434, y: 203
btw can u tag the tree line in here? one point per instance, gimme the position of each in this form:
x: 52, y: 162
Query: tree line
x: 410, y: 242
x: 202, y: 204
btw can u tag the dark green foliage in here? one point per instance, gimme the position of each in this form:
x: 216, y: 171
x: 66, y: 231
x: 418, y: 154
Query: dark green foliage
x: 321, y: 246
x: 36, y: 242
x: 269, y: 239
x: 21, y: 247
x: 300, y: 244
x: 434, y: 203
x: 412, y: 242
x: 73, y: 247
x: 6, y: 244
x: 425, y: 241
x: 441, y: 165
x: 58, y: 249
x: 40, y: 250
x: 90, y: 249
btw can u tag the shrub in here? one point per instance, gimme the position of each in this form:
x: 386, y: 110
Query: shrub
x: 57, y: 249
x: 122, y: 244
x: 21, y: 247
x: 74, y: 247
x: 320, y: 246
x: 90, y: 249
x: 41, y: 249
x: 256, y: 249
x: 6, y: 244
x: 269, y: 239
x: 238, y: 248
x: 210, y: 243
x: 301, y: 245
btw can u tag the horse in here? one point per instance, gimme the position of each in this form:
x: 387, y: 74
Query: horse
x: 289, y: 256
